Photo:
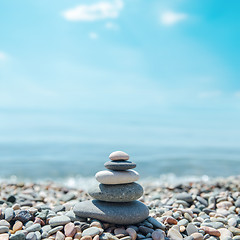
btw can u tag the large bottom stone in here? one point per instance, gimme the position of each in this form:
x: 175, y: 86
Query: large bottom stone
x: 117, y: 193
x: 118, y: 213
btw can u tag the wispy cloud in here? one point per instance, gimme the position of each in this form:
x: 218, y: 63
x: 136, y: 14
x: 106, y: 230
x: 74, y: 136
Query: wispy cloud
x: 170, y: 18
x: 237, y: 94
x: 210, y: 94
x: 93, y: 35
x: 111, y: 26
x: 3, y: 56
x: 94, y: 12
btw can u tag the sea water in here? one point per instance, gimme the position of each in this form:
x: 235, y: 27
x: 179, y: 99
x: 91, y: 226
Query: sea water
x: 70, y: 161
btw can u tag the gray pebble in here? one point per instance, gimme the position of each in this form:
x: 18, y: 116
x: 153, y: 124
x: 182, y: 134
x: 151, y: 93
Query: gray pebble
x: 140, y: 236
x: 92, y: 231
x: 215, y: 225
x: 67, y: 197
x: 28, y: 224
x: 38, y: 234
x: 4, y: 223
x: 54, y: 230
x: 18, y: 236
x: 184, y: 196
x: 4, y: 229
x: 9, y: 214
x: 145, y: 230
x: 59, y: 208
x: 189, y: 238
x: 45, y: 235
x: 183, y: 222
x: 31, y: 236
x: 191, y: 228
x: 35, y: 227
x: 232, y: 222
x: 237, y: 203
x: 46, y: 228
x: 59, y: 220
x: 202, y: 201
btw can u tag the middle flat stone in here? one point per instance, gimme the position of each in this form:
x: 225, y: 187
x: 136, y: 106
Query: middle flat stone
x: 116, y: 193
x: 120, y: 165
x: 117, y: 177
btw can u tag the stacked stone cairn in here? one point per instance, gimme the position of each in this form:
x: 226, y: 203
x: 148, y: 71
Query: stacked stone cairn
x: 116, y: 195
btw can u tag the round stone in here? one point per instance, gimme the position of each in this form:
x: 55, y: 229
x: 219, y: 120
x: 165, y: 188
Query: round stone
x: 118, y: 213
x: 119, y: 165
x: 116, y: 193
x: 118, y: 155
x: 117, y: 177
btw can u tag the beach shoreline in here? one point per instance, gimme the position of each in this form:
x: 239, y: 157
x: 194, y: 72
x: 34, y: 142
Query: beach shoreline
x: 189, y: 210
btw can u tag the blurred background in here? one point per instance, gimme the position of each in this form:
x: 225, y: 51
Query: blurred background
x: 156, y: 79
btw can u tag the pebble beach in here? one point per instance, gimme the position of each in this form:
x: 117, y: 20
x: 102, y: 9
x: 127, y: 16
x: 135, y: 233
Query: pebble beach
x: 191, y: 210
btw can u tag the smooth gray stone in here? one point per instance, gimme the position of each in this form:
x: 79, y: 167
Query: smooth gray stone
x: 145, y: 230
x: 4, y: 229
x: 118, y: 213
x: 9, y: 214
x: 187, y: 197
x: 92, y: 231
x: 119, y: 165
x: 33, y: 228
x: 38, y: 234
x: 59, y: 220
x: 156, y: 223
x: 189, y: 238
x: 202, y: 201
x: 183, y: 222
x: 54, y: 230
x: 46, y: 228
x: 215, y: 225
x: 45, y: 235
x: 108, y: 236
x: 116, y: 193
x: 31, y: 236
x: 191, y: 228
x: 237, y: 203
x: 19, y: 236
x: 5, y: 223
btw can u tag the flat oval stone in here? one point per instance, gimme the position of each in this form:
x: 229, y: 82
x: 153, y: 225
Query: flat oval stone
x: 92, y: 231
x: 4, y: 229
x: 119, y: 165
x: 33, y: 228
x: 118, y: 213
x: 117, y: 193
x: 117, y: 177
x: 59, y: 220
x: 118, y: 155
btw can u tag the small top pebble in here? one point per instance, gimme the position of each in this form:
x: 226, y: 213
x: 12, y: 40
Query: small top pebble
x: 118, y: 155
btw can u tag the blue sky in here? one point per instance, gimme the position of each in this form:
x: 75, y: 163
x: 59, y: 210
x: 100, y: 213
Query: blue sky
x: 162, y: 72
